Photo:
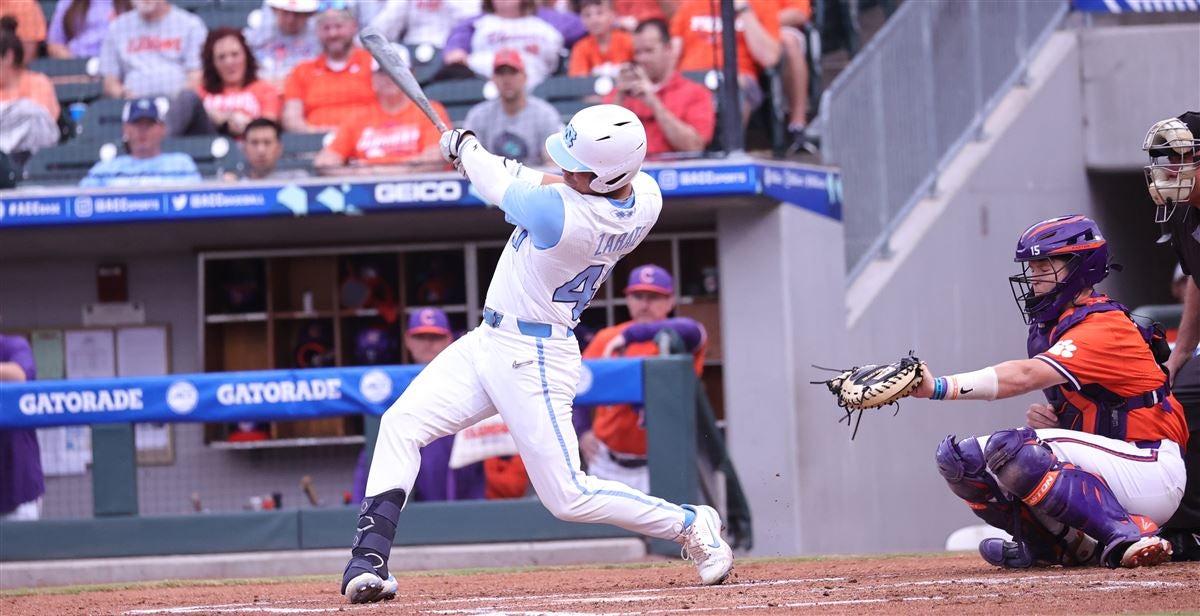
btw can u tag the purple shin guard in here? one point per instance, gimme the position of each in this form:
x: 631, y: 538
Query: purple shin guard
x: 1026, y: 467
x: 963, y: 466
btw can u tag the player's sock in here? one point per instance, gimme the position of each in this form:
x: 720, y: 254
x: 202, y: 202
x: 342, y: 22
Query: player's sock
x: 377, y: 529
x: 689, y: 515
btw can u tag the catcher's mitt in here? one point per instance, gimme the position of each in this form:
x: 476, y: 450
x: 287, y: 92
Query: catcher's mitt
x: 873, y: 386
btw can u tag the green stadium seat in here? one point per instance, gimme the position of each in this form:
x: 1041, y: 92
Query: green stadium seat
x: 68, y: 93
x: 568, y: 108
x: 102, y: 120
x: 63, y: 164
x: 566, y: 88
x: 456, y: 92
x: 206, y: 150
x: 424, y: 71
x: 226, y: 15
x: 65, y: 67
x: 302, y: 145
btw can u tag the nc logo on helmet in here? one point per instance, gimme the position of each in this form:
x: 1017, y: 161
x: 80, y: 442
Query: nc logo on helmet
x: 569, y: 135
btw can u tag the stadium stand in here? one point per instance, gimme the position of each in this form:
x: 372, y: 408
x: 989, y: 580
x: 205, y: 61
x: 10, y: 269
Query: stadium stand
x: 458, y: 96
x: 63, y: 164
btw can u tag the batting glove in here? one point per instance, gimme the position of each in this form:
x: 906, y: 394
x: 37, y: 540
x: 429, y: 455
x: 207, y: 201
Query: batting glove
x: 452, y: 143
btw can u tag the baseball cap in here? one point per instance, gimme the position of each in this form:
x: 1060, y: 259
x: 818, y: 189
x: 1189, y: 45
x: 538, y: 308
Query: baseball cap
x: 404, y: 57
x: 428, y: 321
x: 508, y: 57
x: 144, y: 108
x: 650, y: 278
x: 294, y: 6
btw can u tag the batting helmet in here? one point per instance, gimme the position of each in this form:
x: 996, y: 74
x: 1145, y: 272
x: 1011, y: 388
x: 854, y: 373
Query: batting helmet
x: 1174, y: 148
x: 607, y: 140
x: 1075, y: 238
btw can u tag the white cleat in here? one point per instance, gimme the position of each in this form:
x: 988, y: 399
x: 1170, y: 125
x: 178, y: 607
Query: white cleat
x: 703, y: 545
x: 369, y: 588
x: 1147, y: 552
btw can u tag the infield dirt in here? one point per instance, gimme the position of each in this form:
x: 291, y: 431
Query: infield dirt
x: 930, y: 584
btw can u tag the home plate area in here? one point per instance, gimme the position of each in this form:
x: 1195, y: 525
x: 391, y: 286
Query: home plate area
x: 900, y: 584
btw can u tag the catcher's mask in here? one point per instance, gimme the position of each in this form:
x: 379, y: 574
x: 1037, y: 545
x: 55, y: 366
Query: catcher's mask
x: 1173, y: 145
x: 1079, y: 254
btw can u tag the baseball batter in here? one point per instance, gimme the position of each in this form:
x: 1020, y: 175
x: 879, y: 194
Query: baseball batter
x: 523, y: 361
x: 1099, y: 468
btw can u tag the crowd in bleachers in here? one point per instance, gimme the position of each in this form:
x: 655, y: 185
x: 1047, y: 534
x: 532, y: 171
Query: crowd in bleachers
x: 138, y: 84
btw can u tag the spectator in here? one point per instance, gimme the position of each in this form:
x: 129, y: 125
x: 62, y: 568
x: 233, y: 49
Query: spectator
x: 504, y: 24
x: 605, y: 49
x: 630, y: 13
x: 427, y: 335
x: 28, y: 106
x: 145, y: 164
x: 322, y: 92
x: 232, y: 93
x: 696, y: 43
x: 568, y: 23
x: 677, y: 113
x: 284, y: 38
x: 31, y: 23
x: 792, y: 19
x: 615, y: 448
x: 423, y: 22
x: 78, y: 27
x: 390, y: 131
x: 21, y: 480
x: 152, y: 50
x: 263, y: 148
x: 515, y: 124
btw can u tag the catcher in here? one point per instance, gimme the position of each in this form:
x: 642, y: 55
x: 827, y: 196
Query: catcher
x: 1099, y: 467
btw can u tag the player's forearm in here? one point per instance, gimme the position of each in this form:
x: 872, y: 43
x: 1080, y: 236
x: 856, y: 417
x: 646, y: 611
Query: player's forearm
x: 1021, y: 376
x: 1189, y: 326
x: 492, y: 175
x: 691, y: 332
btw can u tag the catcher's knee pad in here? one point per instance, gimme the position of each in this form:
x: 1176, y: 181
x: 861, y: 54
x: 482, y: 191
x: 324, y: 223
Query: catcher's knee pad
x: 963, y: 466
x: 1027, y: 468
x: 377, y: 520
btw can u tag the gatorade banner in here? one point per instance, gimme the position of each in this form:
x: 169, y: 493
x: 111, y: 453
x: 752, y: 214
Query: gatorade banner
x: 267, y: 395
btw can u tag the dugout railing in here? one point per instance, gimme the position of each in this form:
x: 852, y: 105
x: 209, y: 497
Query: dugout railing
x: 682, y: 434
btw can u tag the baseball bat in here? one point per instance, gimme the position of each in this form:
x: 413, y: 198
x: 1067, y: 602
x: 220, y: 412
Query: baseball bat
x: 381, y: 49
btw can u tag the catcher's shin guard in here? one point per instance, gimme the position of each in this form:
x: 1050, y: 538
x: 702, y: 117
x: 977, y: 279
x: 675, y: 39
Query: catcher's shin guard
x: 1026, y: 466
x: 963, y: 466
x: 373, y: 540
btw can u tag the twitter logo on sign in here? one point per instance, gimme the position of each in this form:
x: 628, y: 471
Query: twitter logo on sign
x: 178, y: 202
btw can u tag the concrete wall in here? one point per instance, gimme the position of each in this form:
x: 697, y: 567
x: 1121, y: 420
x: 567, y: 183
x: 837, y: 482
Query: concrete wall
x: 1133, y: 77
x: 945, y: 295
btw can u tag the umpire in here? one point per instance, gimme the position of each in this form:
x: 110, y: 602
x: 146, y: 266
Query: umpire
x: 1174, y: 148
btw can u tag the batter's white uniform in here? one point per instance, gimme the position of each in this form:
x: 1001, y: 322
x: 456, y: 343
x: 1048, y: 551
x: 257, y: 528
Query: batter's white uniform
x: 524, y: 361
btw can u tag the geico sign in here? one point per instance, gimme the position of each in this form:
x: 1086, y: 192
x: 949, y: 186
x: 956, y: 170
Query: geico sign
x: 418, y: 192
x: 103, y: 400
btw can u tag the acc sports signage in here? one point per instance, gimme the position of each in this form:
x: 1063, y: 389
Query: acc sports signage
x: 255, y: 396
x: 322, y: 197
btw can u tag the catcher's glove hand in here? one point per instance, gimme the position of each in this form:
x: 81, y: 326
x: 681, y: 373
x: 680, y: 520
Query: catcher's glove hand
x: 874, y: 385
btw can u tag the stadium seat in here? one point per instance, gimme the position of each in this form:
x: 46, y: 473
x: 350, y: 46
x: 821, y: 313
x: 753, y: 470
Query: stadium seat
x: 64, y: 67
x: 195, y: 5
x: 231, y: 15
x: 68, y: 93
x: 458, y: 113
x: 568, y: 108
x: 303, y: 146
x: 63, y: 164
x: 566, y: 88
x: 424, y: 71
x: 102, y: 120
x: 210, y: 155
x: 457, y: 92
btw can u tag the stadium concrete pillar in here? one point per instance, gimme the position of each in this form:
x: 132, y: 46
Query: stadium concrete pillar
x: 114, y: 470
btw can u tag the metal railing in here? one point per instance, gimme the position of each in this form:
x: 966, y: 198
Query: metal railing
x: 913, y: 97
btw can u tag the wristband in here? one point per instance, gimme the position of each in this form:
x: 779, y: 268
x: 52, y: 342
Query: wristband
x: 978, y: 385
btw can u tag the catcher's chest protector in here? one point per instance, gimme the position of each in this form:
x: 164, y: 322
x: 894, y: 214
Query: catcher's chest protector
x: 1111, y: 409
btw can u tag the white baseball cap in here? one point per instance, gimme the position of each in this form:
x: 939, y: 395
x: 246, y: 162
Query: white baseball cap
x: 294, y: 6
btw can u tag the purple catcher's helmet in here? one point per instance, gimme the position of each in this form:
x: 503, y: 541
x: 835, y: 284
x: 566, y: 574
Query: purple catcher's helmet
x: 1078, y: 239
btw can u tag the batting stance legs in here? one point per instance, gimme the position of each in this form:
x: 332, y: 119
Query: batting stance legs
x: 531, y: 382
x: 1063, y: 482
